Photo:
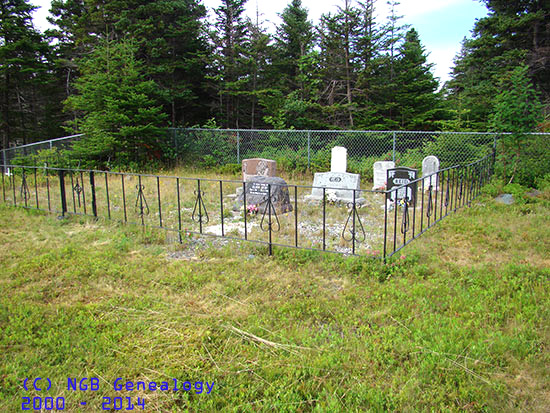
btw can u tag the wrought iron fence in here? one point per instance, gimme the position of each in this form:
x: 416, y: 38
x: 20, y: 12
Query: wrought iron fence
x: 379, y: 225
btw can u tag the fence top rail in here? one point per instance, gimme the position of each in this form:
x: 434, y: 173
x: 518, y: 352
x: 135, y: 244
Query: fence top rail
x: 347, y: 131
x: 233, y: 181
x: 43, y: 142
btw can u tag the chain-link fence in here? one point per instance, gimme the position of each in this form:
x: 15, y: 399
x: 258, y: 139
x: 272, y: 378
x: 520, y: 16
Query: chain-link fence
x: 41, y: 152
x: 300, y: 149
x: 294, y: 150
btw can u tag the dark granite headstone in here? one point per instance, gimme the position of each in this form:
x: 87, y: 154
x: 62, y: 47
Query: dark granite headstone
x: 397, y: 177
x: 258, y: 189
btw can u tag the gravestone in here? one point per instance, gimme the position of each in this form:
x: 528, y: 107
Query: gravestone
x: 339, y: 185
x: 402, y: 176
x: 379, y: 172
x: 430, y: 165
x: 258, y: 189
x: 339, y: 159
x: 258, y: 166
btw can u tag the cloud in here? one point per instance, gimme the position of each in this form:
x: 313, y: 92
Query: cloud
x: 443, y: 58
x: 414, y: 8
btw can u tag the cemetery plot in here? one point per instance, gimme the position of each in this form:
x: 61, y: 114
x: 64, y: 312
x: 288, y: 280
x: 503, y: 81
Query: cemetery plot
x: 264, y: 209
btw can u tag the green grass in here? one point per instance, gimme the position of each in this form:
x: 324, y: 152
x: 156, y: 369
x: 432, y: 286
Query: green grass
x: 460, y: 322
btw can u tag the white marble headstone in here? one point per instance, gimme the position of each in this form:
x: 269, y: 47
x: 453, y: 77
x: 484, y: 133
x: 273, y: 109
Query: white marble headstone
x: 430, y: 165
x: 339, y: 159
x: 341, y: 184
x: 379, y: 172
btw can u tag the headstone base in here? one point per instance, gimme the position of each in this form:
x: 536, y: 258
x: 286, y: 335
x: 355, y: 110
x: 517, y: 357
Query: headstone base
x: 358, y: 201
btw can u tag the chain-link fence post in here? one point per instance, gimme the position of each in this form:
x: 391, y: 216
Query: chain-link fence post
x: 51, y: 145
x: 238, y: 147
x: 308, y: 148
x: 175, y: 142
x: 393, y: 152
x: 5, y: 162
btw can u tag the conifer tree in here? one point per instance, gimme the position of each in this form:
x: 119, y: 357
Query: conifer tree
x: 170, y: 38
x: 117, y: 108
x: 27, y: 108
x: 339, y: 35
x: 417, y: 105
x: 294, y: 40
x: 517, y: 110
x: 230, y: 39
x: 514, y: 33
x: 260, y: 72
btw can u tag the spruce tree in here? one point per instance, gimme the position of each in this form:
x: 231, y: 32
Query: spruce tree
x: 383, y: 84
x: 28, y: 108
x: 294, y: 40
x: 417, y: 104
x: 260, y: 71
x: 230, y: 39
x: 170, y: 38
x: 517, y: 110
x: 117, y: 109
x: 514, y: 33
x: 339, y: 35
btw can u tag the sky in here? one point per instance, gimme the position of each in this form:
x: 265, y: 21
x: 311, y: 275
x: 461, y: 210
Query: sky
x: 441, y: 24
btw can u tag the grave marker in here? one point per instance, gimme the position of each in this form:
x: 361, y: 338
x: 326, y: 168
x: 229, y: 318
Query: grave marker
x: 258, y: 190
x: 397, y: 177
x: 337, y: 182
x: 258, y: 167
x: 339, y: 159
x: 379, y: 172
x: 430, y: 165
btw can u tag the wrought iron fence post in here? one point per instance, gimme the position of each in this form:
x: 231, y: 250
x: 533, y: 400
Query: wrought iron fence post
x: 36, y: 190
x: 245, y: 211
x: 324, y: 218
x: 296, y: 216
x: 3, y: 188
x: 124, y: 198
x: 107, y: 195
x: 269, y: 222
x: 221, y: 207
x: 62, y: 192
x: 179, y: 210
x: 13, y: 187
x: 92, y: 188
x: 24, y: 191
x: 353, y: 226
x: 159, y: 202
x: 385, y: 223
